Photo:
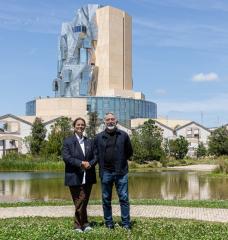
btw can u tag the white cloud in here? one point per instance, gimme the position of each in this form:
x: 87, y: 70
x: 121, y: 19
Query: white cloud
x: 216, y: 103
x: 205, y: 77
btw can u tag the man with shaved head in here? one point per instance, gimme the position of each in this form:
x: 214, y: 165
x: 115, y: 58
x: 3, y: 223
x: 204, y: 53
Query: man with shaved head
x: 113, y: 150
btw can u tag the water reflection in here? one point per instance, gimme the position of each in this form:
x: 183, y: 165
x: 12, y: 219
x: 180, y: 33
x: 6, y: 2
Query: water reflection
x: 142, y: 185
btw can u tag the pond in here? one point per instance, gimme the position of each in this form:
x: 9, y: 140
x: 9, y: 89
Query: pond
x: 190, y: 185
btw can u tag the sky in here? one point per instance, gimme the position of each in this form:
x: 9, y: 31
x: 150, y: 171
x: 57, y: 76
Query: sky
x: 180, y: 53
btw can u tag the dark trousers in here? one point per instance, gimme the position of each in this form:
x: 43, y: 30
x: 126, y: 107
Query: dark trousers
x: 121, y: 183
x: 80, y: 196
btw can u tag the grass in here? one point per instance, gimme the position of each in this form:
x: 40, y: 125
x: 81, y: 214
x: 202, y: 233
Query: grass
x: 179, y: 203
x: 27, y: 162
x: 159, y: 229
x: 31, y: 165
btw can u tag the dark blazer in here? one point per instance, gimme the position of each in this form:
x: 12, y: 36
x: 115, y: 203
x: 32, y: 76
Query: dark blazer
x: 73, y: 156
x: 123, y: 151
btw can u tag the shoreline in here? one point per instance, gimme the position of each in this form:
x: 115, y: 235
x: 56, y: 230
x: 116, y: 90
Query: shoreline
x: 195, y: 167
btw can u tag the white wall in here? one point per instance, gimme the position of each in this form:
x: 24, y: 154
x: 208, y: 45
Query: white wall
x: 166, y: 132
x: 194, y: 139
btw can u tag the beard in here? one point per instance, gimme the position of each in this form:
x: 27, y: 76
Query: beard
x: 111, y: 126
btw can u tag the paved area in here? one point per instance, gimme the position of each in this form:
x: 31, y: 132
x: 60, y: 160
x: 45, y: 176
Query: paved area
x: 204, y: 214
x: 197, y: 167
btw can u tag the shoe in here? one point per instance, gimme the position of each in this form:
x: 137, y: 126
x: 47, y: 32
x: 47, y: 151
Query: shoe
x: 127, y: 227
x: 87, y: 229
x: 110, y: 226
x: 79, y: 230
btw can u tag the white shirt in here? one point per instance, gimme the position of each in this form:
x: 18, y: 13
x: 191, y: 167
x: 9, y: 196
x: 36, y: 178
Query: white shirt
x: 82, y: 145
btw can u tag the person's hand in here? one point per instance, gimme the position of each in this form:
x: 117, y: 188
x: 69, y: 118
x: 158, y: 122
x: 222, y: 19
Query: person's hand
x: 85, y: 165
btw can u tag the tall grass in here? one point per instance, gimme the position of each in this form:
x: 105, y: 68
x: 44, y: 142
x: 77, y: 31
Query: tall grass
x: 222, y: 165
x: 27, y: 162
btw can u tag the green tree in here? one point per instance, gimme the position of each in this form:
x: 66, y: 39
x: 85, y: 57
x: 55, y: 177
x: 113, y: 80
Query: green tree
x: 147, y: 142
x: 178, y: 147
x: 61, y: 129
x: 218, y: 142
x: 201, y: 151
x: 37, y: 137
x: 93, y: 124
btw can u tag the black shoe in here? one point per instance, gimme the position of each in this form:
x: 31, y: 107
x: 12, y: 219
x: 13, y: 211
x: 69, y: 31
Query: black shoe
x: 127, y: 227
x: 110, y: 226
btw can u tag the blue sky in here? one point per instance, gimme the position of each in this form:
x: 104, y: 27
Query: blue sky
x: 180, y: 53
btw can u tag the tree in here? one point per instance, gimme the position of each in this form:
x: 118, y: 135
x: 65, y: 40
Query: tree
x: 178, y: 147
x: 38, y: 135
x: 93, y: 124
x: 201, y: 151
x: 147, y: 142
x: 218, y: 142
x: 61, y: 129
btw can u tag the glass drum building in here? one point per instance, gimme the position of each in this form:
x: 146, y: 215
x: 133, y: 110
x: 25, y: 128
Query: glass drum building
x: 124, y: 108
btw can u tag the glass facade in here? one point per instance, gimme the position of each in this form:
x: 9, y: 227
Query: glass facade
x: 31, y: 108
x: 76, y: 54
x: 125, y: 109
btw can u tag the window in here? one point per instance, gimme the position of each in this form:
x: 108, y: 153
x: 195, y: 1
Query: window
x: 12, y: 143
x: 84, y: 29
x: 88, y: 107
x: 67, y: 74
x: 83, y: 55
x: 189, y: 133
x: 79, y: 28
x: 87, y: 43
x: 196, y: 132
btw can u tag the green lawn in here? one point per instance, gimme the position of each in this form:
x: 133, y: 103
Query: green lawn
x: 61, y: 229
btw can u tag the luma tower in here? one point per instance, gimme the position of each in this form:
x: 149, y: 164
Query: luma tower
x: 94, y: 70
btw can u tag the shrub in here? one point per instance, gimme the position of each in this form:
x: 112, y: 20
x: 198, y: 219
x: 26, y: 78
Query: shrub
x: 201, y: 151
x: 147, y: 143
x: 218, y: 142
x: 178, y: 148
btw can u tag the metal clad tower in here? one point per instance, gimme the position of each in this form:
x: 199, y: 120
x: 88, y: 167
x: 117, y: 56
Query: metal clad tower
x: 95, y: 54
x: 76, y: 71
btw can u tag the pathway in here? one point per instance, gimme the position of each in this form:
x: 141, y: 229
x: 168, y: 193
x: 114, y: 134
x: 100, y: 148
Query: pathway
x: 204, y: 214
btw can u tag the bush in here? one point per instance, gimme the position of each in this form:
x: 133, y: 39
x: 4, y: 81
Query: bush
x: 59, y: 131
x: 201, y: 151
x: 218, y: 142
x: 147, y: 143
x: 37, y: 137
x: 178, y: 148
